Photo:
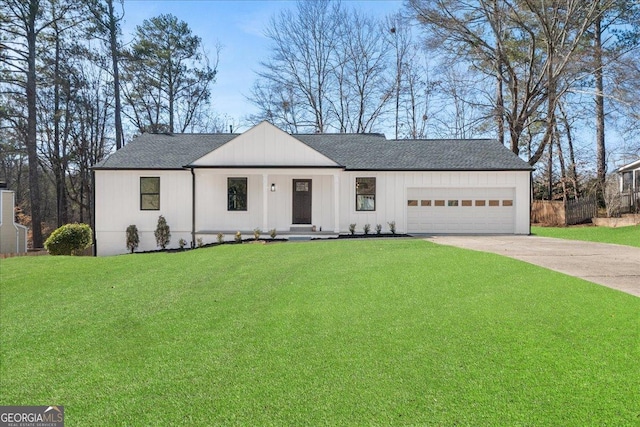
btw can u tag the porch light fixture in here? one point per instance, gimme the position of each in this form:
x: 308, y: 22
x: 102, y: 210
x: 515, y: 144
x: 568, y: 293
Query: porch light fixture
x: 273, y: 187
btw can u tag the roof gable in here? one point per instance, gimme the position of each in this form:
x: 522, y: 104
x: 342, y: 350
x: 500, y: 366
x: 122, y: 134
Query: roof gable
x: 264, y: 145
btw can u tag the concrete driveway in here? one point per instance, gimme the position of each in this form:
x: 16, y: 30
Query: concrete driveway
x: 615, y: 266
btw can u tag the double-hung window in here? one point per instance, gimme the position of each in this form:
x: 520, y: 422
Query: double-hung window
x: 149, y: 193
x: 365, y: 194
x: 236, y: 194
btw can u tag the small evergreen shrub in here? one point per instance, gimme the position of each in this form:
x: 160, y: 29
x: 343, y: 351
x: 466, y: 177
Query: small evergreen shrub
x: 256, y: 233
x: 378, y: 228
x: 366, y: 228
x: 163, y: 233
x: 273, y: 233
x: 392, y: 227
x: 133, y: 240
x: 200, y: 242
x: 238, y: 237
x: 352, y: 229
x: 182, y: 243
x: 69, y: 239
x: 220, y: 238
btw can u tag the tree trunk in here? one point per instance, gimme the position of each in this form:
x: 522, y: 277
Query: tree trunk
x: 31, y: 142
x: 499, y: 104
x: 601, y: 163
x: 573, y: 172
x: 550, y: 168
x: 113, y: 44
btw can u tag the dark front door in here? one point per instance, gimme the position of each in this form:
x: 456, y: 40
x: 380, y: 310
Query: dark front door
x: 301, y: 201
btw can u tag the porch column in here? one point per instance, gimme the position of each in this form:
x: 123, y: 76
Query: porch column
x: 336, y: 202
x: 265, y: 202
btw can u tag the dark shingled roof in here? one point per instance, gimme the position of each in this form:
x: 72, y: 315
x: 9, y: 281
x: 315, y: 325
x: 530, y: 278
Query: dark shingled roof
x: 375, y: 152
x: 352, y: 151
x: 164, y: 151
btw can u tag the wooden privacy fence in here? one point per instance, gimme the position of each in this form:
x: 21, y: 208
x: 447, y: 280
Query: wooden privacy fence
x: 568, y: 212
x: 582, y: 210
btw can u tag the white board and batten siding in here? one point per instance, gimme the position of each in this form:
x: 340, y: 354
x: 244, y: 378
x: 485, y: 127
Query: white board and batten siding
x: 402, y: 197
x: 117, y: 206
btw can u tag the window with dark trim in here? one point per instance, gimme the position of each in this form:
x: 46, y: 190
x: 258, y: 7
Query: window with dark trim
x: 237, y: 194
x: 149, y: 193
x: 365, y: 194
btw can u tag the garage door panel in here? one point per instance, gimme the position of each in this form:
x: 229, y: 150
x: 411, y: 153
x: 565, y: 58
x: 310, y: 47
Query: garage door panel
x: 465, y: 210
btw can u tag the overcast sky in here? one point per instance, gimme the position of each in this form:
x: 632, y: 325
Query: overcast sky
x: 238, y: 26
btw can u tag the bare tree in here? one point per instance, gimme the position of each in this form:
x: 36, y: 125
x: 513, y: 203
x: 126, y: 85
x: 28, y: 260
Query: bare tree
x: 360, y: 70
x: 302, y: 57
x: 528, y: 47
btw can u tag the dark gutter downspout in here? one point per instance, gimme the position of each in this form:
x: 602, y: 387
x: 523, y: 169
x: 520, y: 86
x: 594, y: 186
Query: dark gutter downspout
x: 530, y: 199
x: 193, y: 209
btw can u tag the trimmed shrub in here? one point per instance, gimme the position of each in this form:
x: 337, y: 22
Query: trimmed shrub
x: 163, y: 233
x: 70, y: 239
x: 352, y: 229
x: 256, y: 233
x: 238, y: 237
x: 220, y: 238
x: 392, y: 227
x: 200, y: 242
x: 182, y: 243
x: 273, y: 233
x: 366, y: 228
x: 133, y: 240
x: 378, y: 228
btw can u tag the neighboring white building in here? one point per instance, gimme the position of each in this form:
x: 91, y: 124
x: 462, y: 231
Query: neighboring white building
x: 630, y: 186
x: 13, y: 236
x: 265, y: 178
x: 630, y: 176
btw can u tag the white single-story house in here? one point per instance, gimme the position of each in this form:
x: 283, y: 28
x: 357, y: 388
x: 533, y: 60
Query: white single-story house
x: 630, y: 176
x: 266, y: 178
x: 13, y: 236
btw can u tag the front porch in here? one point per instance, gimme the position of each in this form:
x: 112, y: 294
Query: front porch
x: 292, y: 201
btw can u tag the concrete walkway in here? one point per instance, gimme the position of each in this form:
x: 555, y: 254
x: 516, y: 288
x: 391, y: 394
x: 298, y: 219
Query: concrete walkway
x: 615, y: 266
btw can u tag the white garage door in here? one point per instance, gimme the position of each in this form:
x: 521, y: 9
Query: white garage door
x: 460, y: 210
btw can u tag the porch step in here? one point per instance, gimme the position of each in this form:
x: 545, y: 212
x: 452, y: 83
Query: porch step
x: 303, y: 229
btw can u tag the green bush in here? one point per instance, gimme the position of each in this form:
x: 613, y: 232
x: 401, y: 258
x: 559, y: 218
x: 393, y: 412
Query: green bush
x: 163, y: 233
x: 133, y: 239
x: 70, y: 239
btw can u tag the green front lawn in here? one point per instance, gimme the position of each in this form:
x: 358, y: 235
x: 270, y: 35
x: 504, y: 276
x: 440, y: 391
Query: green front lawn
x: 629, y: 236
x: 383, y: 332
